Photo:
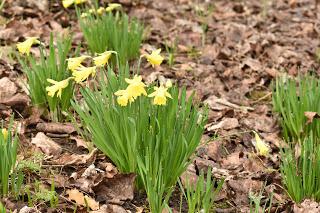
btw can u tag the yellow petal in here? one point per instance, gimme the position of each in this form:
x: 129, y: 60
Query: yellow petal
x: 112, y: 6
x: 4, y: 133
x: 169, y: 84
x: 100, y: 10
x: 83, y: 73
x: 67, y: 3
x: 75, y: 63
x: 261, y: 146
x: 24, y: 47
x: 57, y: 87
x: 103, y: 58
x: 79, y: 1
x: 154, y: 58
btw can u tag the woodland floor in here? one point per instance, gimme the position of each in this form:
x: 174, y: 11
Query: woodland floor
x: 228, y: 52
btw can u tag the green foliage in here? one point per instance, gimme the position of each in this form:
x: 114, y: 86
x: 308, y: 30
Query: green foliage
x: 300, y: 173
x: 256, y: 202
x: 2, y: 208
x: 291, y: 99
x: 112, y: 32
x: 42, y: 194
x: 171, y: 51
x: 51, y: 65
x: 200, y: 197
x: 153, y: 141
x: 10, y: 179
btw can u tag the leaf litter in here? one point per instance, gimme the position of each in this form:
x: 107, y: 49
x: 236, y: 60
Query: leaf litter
x: 226, y: 55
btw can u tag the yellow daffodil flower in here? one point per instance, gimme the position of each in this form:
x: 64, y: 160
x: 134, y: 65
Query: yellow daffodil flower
x: 103, y: 58
x: 124, y: 97
x: 160, y: 95
x: 84, y: 15
x: 24, y: 47
x: 154, y: 58
x: 4, y: 133
x: 57, y: 86
x: 83, y: 73
x: 75, y: 63
x: 80, y: 1
x: 112, y: 6
x: 136, y: 86
x: 67, y: 3
x: 169, y: 84
x: 100, y: 10
x: 261, y: 147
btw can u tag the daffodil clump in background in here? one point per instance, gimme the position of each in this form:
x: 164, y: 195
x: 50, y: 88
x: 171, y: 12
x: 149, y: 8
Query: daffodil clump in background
x: 52, y: 78
x: 103, y: 29
x: 146, y: 129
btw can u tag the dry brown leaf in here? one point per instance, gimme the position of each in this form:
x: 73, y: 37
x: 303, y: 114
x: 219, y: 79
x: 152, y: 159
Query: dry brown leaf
x: 46, y: 145
x: 7, y: 89
x: 74, y: 159
x: 82, y: 200
x: 56, y: 128
x: 116, y: 189
x: 310, y: 116
x: 227, y: 124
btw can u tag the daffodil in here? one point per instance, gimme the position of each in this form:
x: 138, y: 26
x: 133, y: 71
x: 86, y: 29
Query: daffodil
x: 154, y: 58
x: 84, y: 15
x: 169, y: 84
x: 262, y: 148
x: 103, y: 58
x: 24, y: 47
x: 67, y: 3
x: 112, y: 6
x: 80, y: 1
x: 124, y: 97
x: 160, y: 95
x: 100, y: 10
x: 57, y: 87
x: 4, y: 133
x: 83, y: 73
x: 136, y: 86
x: 75, y: 63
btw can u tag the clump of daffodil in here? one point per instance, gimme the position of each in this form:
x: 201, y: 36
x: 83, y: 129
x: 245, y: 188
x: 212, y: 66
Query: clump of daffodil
x: 112, y: 6
x: 83, y: 73
x: 24, y: 47
x: 57, y: 86
x: 154, y: 58
x: 103, y: 58
x: 161, y: 94
x: 68, y: 3
x: 4, y: 133
x: 261, y: 147
x: 75, y: 63
x: 124, y: 97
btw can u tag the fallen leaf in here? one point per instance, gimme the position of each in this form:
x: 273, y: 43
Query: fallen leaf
x: 7, y: 89
x: 307, y: 205
x: 46, y: 145
x: 56, y: 128
x: 74, y: 159
x: 310, y: 116
x: 227, y: 124
x: 82, y: 200
x: 116, y: 189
